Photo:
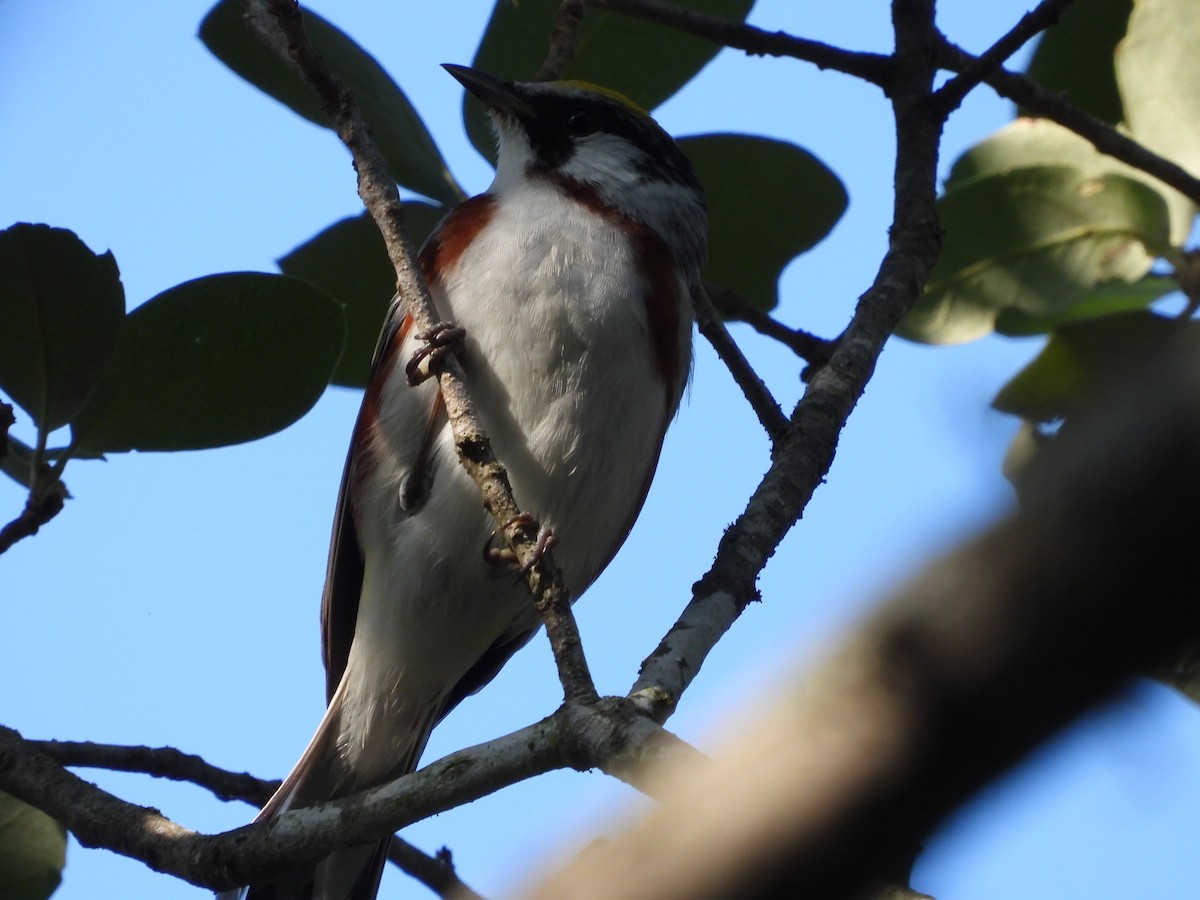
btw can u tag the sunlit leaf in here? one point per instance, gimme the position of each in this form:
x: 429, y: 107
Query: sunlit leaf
x: 215, y: 361
x: 1075, y: 57
x: 33, y: 851
x: 1040, y: 142
x: 646, y: 62
x: 769, y: 201
x: 349, y: 262
x: 405, y: 142
x: 59, y: 318
x: 1158, y: 71
x: 1081, y: 361
x: 1037, y: 240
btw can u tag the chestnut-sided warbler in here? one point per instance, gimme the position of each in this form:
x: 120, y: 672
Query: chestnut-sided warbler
x: 572, y: 277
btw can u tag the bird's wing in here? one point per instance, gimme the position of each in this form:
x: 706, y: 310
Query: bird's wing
x: 344, y: 571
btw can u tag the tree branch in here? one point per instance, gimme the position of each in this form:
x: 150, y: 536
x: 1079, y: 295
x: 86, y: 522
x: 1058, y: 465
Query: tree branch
x: 872, y: 67
x: 806, y: 453
x: 1033, y: 23
x: 279, y: 25
x: 610, y: 735
x: 812, y: 349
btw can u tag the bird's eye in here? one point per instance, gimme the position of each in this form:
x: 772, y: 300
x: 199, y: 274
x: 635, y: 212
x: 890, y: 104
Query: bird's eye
x: 580, y: 122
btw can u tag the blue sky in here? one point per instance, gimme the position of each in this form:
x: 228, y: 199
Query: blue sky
x: 174, y: 602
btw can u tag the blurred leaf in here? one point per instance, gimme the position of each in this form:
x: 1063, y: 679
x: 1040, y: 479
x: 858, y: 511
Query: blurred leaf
x: 17, y: 462
x: 1075, y: 57
x: 1040, y: 142
x: 215, y: 361
x: 769, y: 201
x: 33, y: 851
x: 59, y: 321
x: 1037, y: 240
x: 413, y: 157
x: 1158, y: 71
x: 1116, y: 297
x: 1080, y: 361
x: 646, y: 62
x: 349, y: 262
x: 1182, y: 672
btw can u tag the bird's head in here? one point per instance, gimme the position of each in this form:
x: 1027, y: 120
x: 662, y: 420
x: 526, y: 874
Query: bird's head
x: 595, y: 142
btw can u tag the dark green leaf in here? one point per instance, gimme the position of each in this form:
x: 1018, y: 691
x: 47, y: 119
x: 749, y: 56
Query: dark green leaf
x: 1105, y: 300
x: 1075, y: 57
x: 33, y: 851
x: 646, y: 62
x: 1081, y: 361
x: 1158, y: 70
x: 405, y: 142
x: 769, y: 201
x: 215, y: 361
x: 59, y: 320
x: 349, y: 262
x: 1037, y: 240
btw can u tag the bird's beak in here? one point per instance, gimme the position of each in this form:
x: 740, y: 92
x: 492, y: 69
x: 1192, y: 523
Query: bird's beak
x: 495, y: 94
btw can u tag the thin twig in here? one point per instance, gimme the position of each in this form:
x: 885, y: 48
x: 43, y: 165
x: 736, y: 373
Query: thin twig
x: 814, y: 350
x: 45, y: 501
x: 562, y: 41
x: 872, y: 67
x: 279, y: 24
x: 1033, y: 23
x: 757, y: 394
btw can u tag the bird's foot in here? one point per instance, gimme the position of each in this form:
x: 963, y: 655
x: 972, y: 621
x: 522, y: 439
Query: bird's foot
x: 440, y: 341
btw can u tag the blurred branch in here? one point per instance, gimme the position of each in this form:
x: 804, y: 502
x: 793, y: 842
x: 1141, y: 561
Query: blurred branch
x: 278, y: 23
x: 561, y: 48
x: 964, y: 671
x: 1054, y: 106
x: 872, y: 67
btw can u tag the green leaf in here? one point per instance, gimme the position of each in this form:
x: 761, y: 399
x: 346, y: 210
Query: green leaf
x: 1158, y: 71
x: 59, y: 321
x: 1102, y: 301
x: 1081, y: 361
x: 33, y: 851
x: 413, y: 157
x: 646, y: 62
x: 1037, y: 240
x: 1040, y: 142
x: 1075, y: 57
x: 349, y: 262
x: 215, y: 361
x: 769, y: 201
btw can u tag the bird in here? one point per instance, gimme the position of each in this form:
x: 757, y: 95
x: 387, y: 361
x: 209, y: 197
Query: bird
x: 570, y: 283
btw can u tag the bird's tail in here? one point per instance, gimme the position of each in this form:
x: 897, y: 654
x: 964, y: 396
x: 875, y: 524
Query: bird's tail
x: 349, y: 874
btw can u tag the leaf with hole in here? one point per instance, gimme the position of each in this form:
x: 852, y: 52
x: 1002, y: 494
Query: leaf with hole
x: 215, y: 361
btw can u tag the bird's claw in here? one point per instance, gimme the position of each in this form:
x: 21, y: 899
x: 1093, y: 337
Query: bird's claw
x: 440, y: 341
x: 504, y: 556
